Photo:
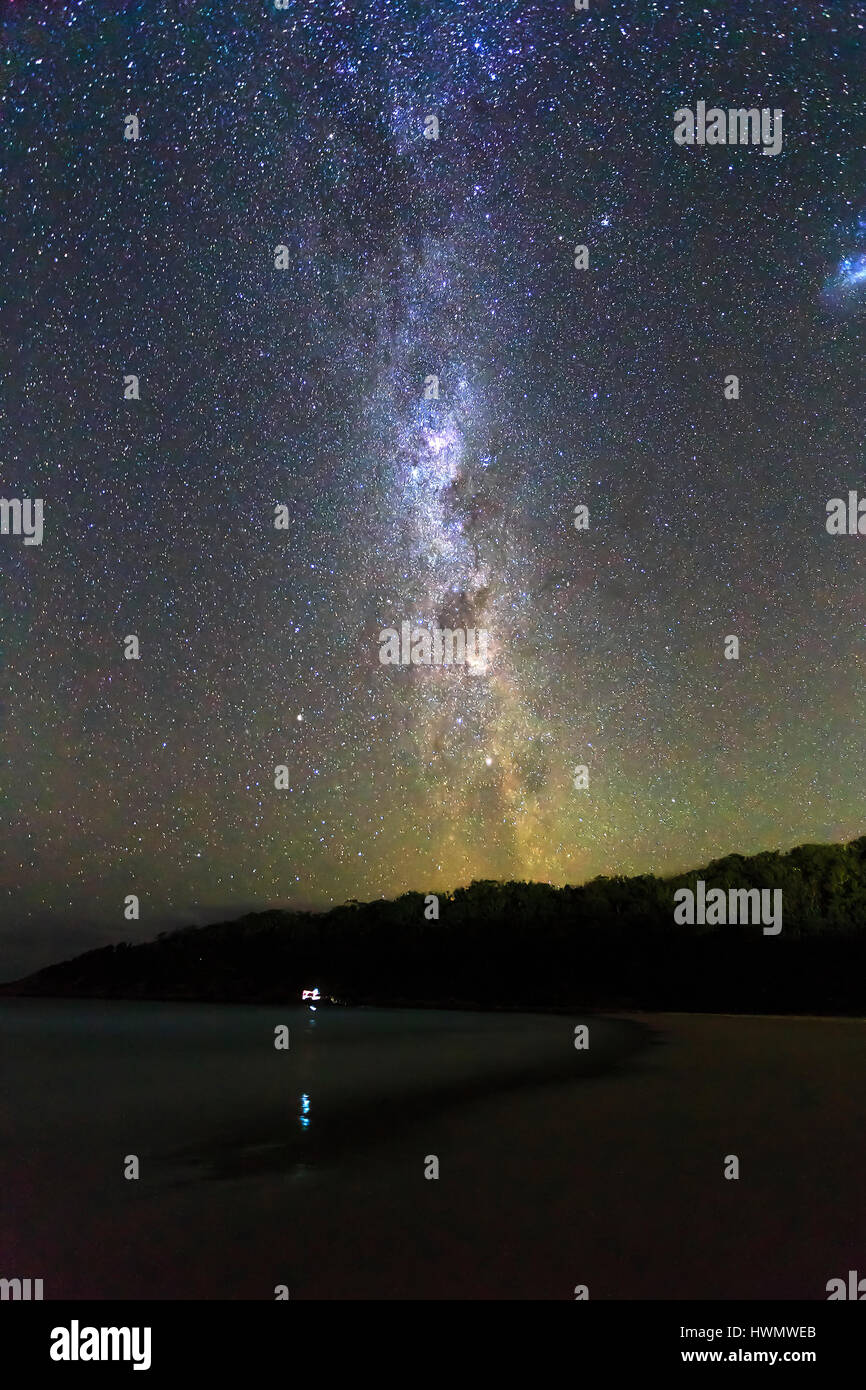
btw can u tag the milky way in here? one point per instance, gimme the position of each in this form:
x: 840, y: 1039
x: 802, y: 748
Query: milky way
x: 408, y: 258
x: 846, y: 288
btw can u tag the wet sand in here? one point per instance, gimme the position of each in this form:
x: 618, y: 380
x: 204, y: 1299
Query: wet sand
x: 306, y: 1167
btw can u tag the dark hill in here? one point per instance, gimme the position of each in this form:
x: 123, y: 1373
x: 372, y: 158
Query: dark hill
x: 611, y: 943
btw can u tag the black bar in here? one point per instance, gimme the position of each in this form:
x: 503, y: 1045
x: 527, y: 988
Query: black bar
x: 307, y: 1339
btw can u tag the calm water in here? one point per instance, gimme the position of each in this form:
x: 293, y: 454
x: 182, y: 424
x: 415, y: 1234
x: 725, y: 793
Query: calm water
x: 306, y: 1167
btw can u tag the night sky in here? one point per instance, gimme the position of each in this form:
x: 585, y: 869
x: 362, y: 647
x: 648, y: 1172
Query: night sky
x: 409, y: 256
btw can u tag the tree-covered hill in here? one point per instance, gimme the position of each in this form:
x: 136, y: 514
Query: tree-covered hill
x: 610, y: 943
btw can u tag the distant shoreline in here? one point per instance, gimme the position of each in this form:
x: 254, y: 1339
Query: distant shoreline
x: 769, y: 934
x: 626, y: 1011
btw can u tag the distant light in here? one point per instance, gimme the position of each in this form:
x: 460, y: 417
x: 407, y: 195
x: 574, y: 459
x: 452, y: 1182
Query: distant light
x: 489, y: 762
x: 300, y: 719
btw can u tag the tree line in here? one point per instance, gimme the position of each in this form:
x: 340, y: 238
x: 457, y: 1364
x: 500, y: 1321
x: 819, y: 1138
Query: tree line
x: 608, y: 943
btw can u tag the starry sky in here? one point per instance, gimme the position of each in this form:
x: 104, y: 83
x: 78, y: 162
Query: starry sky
x: 304, y: 128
